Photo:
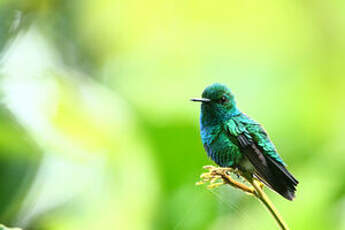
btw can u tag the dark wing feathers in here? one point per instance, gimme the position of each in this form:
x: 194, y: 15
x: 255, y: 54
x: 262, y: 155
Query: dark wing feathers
x: 272, y: 173
x: 249, y: 146
x: 284, y: 170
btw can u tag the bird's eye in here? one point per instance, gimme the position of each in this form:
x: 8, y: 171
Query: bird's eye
x: 223, y: 99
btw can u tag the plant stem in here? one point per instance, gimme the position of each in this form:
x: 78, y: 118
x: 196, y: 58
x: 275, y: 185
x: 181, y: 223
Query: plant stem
x: 236, y: 184
x: 217, y: 173
x: 261, y: 195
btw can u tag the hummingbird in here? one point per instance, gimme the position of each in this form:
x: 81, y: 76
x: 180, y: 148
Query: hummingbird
x: 233, y: 140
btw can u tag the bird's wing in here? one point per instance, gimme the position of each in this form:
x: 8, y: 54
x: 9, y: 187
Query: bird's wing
x: 255, y: 144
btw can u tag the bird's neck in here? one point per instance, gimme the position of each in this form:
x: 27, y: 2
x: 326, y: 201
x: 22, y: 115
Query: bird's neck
x: 211, y: 117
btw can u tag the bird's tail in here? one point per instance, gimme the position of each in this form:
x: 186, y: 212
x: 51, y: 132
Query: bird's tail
x: 278, y: 178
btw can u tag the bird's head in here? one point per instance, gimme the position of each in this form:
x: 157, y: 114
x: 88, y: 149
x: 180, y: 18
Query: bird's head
x: 217, y: 103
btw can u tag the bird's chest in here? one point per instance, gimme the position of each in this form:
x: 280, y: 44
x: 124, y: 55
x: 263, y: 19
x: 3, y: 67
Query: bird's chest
x: 219, y: 146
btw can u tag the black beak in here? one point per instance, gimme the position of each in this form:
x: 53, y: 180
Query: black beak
x: 200, y: 99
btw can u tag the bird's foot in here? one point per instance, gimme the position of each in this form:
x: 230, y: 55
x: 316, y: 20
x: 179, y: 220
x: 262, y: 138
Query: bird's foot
x: 237, y: 172
x: 219, y: 176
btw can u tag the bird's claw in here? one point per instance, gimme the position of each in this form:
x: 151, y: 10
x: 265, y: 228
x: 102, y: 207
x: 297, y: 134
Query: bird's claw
x: 219, y: 176
x: 236, y: 172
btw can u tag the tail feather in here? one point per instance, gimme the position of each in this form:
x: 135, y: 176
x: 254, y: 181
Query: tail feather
x: 269, y: 171
x: 278, y: 178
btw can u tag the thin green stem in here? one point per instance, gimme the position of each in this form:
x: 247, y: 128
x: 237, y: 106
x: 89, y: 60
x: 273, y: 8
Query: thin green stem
x: 217, y: 173
x: 261, y: 195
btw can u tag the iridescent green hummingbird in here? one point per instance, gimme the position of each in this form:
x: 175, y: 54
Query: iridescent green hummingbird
x: 232, y: 139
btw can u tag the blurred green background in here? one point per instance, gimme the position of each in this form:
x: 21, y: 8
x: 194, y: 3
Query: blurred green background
x: 96, y: 127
